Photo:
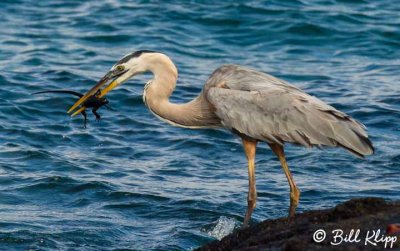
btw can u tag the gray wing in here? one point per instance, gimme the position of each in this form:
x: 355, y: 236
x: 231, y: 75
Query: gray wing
x: 269, y: 109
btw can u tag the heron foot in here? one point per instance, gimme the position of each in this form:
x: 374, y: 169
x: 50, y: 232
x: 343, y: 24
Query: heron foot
x: 294, y: 202
x: 251, y: 204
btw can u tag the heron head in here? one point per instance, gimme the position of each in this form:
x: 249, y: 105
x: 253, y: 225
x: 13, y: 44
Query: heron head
x: 127, y: 67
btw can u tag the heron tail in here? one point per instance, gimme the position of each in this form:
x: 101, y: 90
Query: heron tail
x: 352, y: 136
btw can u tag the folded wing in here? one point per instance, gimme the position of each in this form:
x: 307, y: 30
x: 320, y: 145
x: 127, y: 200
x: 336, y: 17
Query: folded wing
x: 266, y: 108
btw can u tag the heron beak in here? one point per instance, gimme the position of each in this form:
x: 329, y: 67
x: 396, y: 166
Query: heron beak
x: 96, y: 91
x: 109, y: 87
x: 78, y: 111
x: 91, y: 92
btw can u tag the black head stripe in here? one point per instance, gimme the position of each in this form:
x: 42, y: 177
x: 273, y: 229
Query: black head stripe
x: 134, y: 55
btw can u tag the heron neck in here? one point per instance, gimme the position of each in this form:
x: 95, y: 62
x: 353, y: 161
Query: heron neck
x: 194, y: 114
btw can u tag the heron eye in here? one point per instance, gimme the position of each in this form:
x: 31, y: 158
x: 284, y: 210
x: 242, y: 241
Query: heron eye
x: 120, y: 67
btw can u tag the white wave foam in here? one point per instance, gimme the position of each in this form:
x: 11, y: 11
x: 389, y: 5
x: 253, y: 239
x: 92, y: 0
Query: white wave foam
x: 222, y: 227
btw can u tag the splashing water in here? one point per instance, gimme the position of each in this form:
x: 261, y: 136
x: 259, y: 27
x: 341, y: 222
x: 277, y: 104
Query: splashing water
x: 222, y: 227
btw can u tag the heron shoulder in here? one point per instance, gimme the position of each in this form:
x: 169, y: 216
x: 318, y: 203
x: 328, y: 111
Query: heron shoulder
x: 243, y: 78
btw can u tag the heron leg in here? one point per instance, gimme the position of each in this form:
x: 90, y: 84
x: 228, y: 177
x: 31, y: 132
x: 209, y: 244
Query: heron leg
x: 250, y: 151
x: 294, y: 191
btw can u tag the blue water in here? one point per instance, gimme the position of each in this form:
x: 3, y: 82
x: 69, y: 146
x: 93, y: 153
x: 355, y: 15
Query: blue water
x: 133, y: 182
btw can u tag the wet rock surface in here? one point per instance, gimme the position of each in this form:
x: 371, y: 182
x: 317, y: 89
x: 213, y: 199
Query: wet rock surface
x: 371, y: 216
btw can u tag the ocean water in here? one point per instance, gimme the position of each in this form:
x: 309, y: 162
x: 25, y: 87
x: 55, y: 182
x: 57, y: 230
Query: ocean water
x: 132, y: 182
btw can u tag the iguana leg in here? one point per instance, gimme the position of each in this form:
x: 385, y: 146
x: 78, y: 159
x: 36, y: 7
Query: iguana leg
x: 94, y: 111
x: 85, y: 117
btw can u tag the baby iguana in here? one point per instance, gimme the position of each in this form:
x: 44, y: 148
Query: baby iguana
x: 93, y: 102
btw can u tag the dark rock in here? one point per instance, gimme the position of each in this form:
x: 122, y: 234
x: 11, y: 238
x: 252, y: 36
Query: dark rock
x: 365, y: 215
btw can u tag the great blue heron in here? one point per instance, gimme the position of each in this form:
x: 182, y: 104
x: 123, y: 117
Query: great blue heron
x: 254, y: 105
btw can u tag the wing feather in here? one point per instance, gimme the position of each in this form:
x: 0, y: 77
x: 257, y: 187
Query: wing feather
x: 266, y: 108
